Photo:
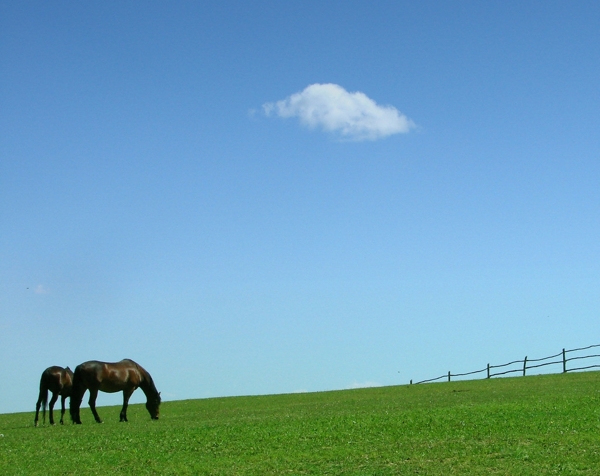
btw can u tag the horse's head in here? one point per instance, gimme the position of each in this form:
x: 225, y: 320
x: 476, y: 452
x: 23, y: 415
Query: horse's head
x: 153, y: 406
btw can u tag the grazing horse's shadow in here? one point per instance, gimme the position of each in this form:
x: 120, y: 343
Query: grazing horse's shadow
x: 124, y: 376
x: 59, y: 381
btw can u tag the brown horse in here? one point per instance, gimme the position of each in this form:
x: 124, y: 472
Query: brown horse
x: 124, y: 376
x: 59, y: 381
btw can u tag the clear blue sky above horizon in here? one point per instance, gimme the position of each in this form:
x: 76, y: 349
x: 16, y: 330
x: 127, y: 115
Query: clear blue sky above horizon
x: 152, y: 208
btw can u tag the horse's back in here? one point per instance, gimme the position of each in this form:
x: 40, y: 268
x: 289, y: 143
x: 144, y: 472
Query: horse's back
x: 52, y: 372
x: 109, y: 376
x: 129, y: 363
x: 101, y: 368
x: 52, y: 379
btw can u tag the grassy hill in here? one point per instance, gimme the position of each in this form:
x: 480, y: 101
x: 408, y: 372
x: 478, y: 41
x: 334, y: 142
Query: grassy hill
x: 546, y: 424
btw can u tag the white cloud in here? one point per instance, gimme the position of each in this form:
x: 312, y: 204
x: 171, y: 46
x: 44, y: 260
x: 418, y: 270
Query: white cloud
x: 352, y: 115
x: 41, y: 289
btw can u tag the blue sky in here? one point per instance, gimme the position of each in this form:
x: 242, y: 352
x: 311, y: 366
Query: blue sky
x: 272, y: 197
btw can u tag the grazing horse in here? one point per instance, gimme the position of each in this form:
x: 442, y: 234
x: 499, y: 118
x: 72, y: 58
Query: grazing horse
x: 59, y: 381
x: 123, y: 376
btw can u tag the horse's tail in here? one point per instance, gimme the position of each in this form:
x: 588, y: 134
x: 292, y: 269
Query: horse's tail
x: 77, y: 392
x: 44, y: 401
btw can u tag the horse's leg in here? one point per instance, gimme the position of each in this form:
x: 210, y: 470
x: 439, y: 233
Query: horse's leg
x: 126, y: 396
x: 62, y: 408
x: 92, y: 402
x: 52, y: 402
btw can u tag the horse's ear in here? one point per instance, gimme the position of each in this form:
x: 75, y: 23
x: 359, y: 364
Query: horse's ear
x: 159, y: 394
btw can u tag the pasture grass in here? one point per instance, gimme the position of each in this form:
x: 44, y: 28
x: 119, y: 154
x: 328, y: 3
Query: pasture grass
x: 547, y: 424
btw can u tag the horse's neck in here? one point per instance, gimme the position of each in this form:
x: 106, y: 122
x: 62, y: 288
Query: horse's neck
x: 147, y: 386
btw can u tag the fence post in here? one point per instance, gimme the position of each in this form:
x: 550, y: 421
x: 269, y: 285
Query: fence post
x: 448, y: 376
x: 564, y: 361
x: 524, y: 365
x: 488, y: 371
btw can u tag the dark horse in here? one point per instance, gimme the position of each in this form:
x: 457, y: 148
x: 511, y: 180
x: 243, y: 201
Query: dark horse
x: 59, y: 381
x: 123, y: 376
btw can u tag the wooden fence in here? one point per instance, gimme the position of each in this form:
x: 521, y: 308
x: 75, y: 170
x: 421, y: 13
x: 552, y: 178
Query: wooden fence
x: 562, y: 358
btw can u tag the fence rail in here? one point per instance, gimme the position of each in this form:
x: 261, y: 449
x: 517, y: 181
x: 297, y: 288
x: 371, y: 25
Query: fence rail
x: 526, y: 364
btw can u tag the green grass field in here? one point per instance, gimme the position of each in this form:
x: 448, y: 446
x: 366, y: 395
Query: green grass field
x: 511, y: 426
